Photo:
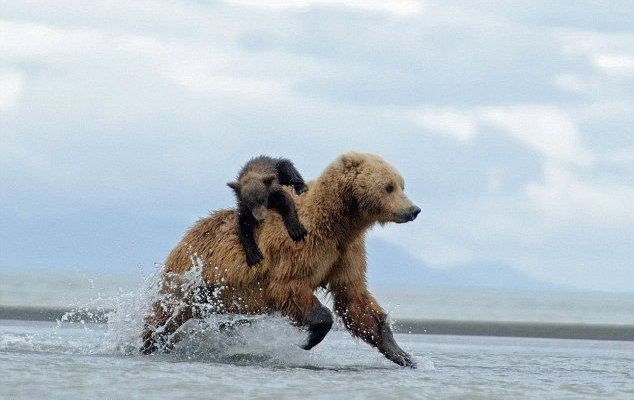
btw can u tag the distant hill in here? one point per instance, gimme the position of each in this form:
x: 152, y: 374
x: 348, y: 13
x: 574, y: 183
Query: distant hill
x: 389, y: 264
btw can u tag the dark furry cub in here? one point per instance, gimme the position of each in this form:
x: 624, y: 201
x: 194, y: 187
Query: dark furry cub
x: 259, y: 188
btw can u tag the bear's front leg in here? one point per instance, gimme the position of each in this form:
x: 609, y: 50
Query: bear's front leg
x: 297, y: 301
x: 388, y: 347
x: 361, y: 313
x: 363, y: 317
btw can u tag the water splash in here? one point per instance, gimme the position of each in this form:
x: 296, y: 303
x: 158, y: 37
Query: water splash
x: 214, y: 338
x: 111, y: 325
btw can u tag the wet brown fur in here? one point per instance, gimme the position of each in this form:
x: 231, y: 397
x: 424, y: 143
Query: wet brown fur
x: 339, y: 207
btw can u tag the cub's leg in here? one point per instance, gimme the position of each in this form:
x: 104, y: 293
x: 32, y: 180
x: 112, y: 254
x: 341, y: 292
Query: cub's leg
x: 282, y: 202
x: 288, y: 175
x: 297, y: 301
x: 246, y: 226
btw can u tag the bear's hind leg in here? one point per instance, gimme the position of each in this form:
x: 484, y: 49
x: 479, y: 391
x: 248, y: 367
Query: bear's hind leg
x: 161, y: 325
x: 297, y: 301
x: 319, y: 323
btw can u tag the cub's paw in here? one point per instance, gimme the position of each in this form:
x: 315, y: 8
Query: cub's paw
x: 297, y: 232
x: 254, y: 257
x: 300, y: 187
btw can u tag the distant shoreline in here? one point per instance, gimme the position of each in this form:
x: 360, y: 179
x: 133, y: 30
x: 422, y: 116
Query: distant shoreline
x: 429, y: 327
x: 545, y: 330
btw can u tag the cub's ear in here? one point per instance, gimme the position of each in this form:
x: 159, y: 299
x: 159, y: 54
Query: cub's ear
x: 268, y: 179
x: 234, y: 185
x: 352, y: 159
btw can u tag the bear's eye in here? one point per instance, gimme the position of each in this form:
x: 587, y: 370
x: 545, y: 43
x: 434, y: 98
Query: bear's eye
x: 389, y: 188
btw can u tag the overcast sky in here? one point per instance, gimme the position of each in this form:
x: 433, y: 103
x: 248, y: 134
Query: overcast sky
x: 121, y: 121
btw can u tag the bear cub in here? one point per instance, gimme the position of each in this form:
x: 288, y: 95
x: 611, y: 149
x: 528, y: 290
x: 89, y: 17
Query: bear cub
x: 259, y: 188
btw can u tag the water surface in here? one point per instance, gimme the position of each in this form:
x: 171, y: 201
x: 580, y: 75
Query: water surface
x: 41, y: 360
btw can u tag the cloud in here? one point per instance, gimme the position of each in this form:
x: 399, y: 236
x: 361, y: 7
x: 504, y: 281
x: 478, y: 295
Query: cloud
x: 203, y: 80
x: 498, y: 118
x: 609, y: 53
x: 546, y: 129
x: 624, y: 157
x: 23, y: 40
x: 615, y: 64
x: 564, y: 197
x: 395, y: 7
x: 445, y: 120
x: 193, y: 66
x: 576, y: 84
x: 11, y: 86
x: 440, y: 57
x: 543, y: 14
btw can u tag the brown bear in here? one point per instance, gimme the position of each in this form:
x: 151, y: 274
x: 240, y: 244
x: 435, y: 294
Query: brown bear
x: 354, y: 193
x: 259, y: 188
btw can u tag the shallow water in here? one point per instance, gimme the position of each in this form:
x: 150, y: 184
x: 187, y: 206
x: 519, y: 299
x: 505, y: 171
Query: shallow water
x: 41, y: 360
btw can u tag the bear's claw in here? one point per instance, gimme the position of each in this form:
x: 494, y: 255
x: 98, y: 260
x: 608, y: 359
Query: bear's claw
x: 403, y: 359
x: 391, y: 350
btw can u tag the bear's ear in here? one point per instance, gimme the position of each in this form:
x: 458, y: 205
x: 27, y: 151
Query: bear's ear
x: 352, y: 160
x: 268, y: 179
x: 234, y: 185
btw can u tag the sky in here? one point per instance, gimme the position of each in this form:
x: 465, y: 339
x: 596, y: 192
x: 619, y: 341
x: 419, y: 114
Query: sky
x: 512, y: 124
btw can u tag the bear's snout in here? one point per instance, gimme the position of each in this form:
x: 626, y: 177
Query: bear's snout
x: 414, y: 211
x: 408, y: 215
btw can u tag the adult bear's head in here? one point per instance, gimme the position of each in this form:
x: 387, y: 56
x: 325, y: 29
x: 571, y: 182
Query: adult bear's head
x: 376, y: 188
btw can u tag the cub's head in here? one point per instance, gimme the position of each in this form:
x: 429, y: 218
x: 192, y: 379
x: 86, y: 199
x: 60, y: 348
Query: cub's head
x: 377, y: 188
x: 253, y: 192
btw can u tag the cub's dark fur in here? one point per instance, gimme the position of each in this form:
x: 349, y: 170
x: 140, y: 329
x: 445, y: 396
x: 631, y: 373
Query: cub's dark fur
x: 259, y: 188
